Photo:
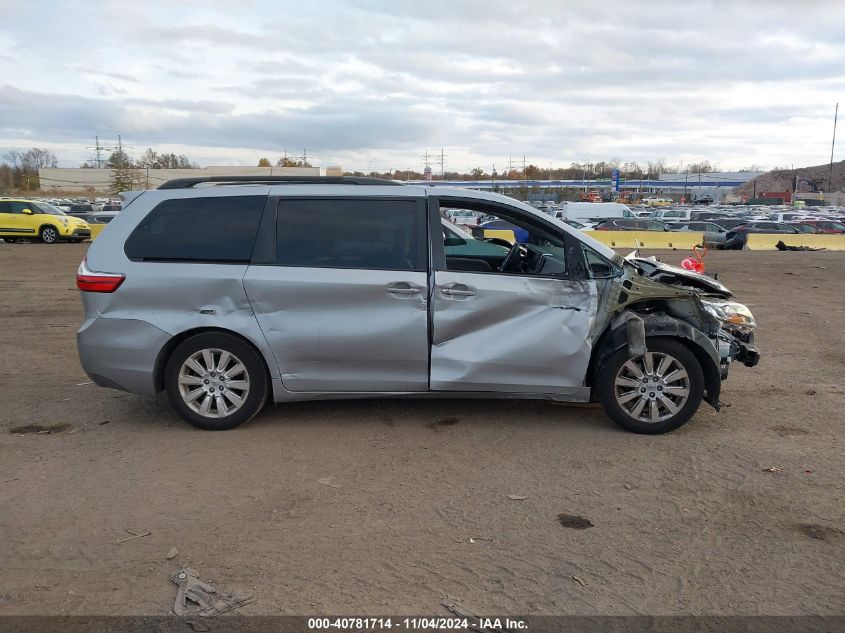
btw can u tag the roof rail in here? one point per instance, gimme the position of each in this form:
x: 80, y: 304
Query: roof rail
x: 189, y: 183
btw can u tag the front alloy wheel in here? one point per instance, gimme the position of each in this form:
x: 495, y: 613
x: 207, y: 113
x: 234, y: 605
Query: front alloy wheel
x: 49, y: 235
x: 652, y: 388
x: 654, y: 393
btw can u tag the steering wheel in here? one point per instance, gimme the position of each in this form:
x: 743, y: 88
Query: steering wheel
x: 511, y: 258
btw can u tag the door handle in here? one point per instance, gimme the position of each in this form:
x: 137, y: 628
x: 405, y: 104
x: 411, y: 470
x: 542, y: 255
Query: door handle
x: 458, y: 290
x: 403, y: 288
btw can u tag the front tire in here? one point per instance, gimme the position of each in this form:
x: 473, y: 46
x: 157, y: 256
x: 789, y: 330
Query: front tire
x: 216, y: 381
x: 49, y: 234
x: 655, y: 393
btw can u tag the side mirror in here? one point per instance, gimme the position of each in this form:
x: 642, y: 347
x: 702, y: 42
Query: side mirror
x: 454, y: 241
x: 600, y: 269
x: 27, y: 211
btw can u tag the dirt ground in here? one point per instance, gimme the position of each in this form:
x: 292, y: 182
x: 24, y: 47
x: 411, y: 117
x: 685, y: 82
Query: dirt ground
x: 388, y: 507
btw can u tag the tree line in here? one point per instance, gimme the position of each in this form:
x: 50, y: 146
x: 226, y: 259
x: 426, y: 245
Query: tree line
x: 19, y: 170
x: 284, y: 161
x: 575, y: 171
x: 126, y: 174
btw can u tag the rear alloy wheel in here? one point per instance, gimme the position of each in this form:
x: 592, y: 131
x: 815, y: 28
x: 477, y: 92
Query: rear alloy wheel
x: 655, y: 393
x: 216, y: 381
x: 49, y: 235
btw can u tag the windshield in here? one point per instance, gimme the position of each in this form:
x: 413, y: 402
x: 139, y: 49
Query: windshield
x: 49, y: 209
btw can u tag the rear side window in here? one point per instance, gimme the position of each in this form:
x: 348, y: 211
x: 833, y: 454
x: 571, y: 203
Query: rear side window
x: 355, y: 233
x: 220, y: 229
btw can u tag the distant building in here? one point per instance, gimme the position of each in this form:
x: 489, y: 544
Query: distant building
x: 87, y: 180
x: 716, y: 184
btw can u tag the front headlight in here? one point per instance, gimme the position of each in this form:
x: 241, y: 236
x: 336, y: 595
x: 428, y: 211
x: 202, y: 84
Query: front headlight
x: 731, y: 314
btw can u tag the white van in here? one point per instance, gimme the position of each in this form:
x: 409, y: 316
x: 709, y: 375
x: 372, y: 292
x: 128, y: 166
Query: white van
x: 593, y: 210
x: 673, y: 214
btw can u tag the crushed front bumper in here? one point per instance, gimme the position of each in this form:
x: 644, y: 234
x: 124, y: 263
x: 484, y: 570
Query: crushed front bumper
x: 739, y: 346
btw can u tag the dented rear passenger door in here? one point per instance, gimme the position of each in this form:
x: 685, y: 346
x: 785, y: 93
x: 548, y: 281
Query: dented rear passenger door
x: 518, y: 323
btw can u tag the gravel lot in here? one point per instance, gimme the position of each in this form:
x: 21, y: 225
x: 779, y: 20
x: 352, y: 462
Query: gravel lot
x: 376, y: 507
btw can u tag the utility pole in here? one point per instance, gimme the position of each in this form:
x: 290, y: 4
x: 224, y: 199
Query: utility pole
x: 98, y: 159
x: 442, y: 164
x: 524, y: 179
x: 304, y: 157
x: 832, y: 145
x: 426, y: 163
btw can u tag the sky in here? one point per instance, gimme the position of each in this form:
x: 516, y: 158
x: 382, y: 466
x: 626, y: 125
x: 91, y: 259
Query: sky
x: 373, y: 85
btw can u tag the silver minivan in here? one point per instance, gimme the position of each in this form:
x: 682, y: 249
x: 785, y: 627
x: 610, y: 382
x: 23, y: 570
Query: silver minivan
x: 228, y: 292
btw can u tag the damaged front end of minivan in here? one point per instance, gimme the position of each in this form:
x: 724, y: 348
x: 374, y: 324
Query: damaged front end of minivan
x: 650, y: 299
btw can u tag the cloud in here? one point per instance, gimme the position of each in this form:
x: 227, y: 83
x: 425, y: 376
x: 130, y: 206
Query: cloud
x: 733, y: 83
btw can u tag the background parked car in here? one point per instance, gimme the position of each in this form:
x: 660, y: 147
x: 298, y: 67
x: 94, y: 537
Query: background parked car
x: 103, y: 217
x: 632, y: 224
x: 80, y: 209
x: 28, y: 219
x: 737, y: 237
x: 462, y: 217
x: 714, y: 234
x: 499, y: 229
x: 824, y: 226
x: 578, y: 225
x: 731, y: 223
x: 805, y: 228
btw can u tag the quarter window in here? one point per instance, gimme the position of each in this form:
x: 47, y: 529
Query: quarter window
x: 358, y: 233
x: 219, y: 229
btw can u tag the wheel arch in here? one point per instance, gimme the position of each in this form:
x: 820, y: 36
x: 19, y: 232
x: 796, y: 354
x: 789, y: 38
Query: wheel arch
x: 616, y: 337
x: 50, y: 225
x: 168, y: 348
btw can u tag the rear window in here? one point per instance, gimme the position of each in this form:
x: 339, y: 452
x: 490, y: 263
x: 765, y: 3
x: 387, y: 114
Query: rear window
x: 219, y: 229
x: 359, y: 233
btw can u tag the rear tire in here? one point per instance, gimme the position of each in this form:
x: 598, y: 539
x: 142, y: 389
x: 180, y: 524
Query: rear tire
x: 49, y: 234
x: 656, y: 401
x: 216, y: 381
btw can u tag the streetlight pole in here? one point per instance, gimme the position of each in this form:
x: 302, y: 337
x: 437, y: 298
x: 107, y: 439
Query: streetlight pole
x: 832, y: 145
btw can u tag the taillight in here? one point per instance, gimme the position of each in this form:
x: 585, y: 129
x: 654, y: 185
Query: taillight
x: 88, y: 280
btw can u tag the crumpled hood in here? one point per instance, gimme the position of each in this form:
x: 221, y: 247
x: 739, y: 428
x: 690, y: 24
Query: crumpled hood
x: 677, y: 276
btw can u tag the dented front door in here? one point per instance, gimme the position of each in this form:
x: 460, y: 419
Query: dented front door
x: 512, y: 333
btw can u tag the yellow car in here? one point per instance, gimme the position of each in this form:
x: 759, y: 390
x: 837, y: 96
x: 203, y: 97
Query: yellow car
x: 30, y: 219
